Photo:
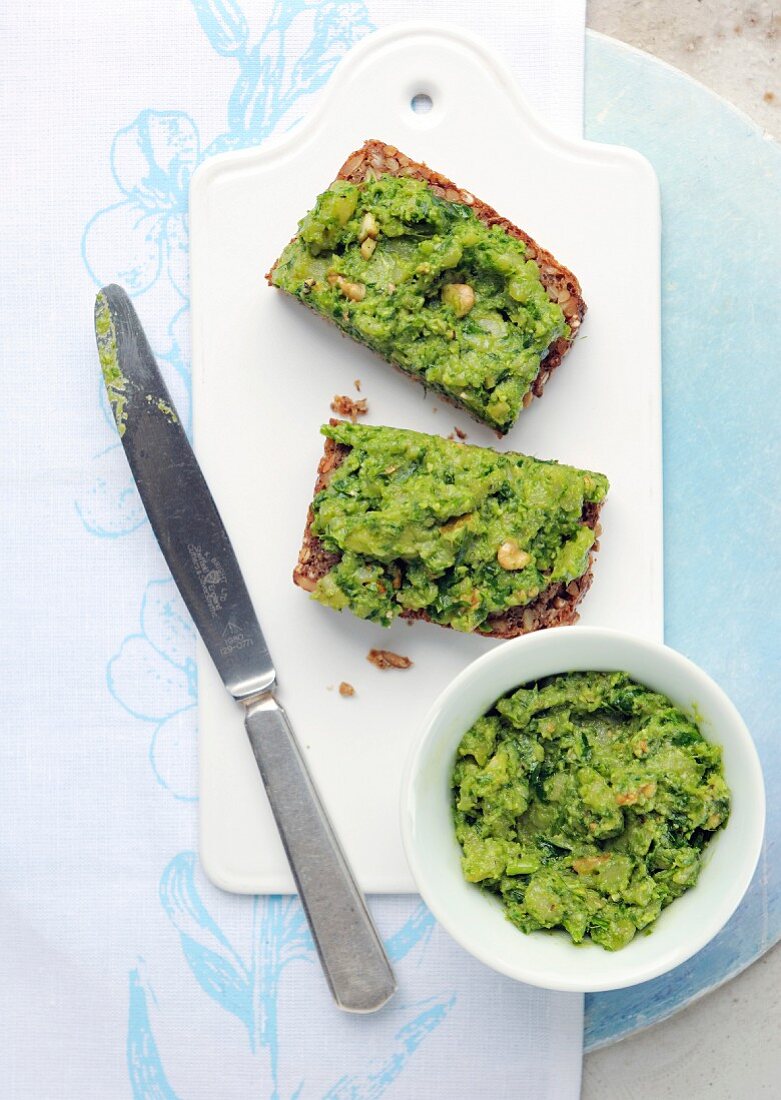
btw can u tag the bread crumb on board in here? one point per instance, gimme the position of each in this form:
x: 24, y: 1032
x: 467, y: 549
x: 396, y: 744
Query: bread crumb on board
x: 385, y: 658
x: 357, y: 384
x: 345, y: 406
x: 458, y: 433
x: 346, y: 689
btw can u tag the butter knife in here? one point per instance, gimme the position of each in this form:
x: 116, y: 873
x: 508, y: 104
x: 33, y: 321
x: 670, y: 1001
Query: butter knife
x: 196, y: 546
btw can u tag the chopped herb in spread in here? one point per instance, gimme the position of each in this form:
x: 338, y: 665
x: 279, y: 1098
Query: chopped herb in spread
x: 423, y: 523
x: 428, y: 285
x: 584, y: 801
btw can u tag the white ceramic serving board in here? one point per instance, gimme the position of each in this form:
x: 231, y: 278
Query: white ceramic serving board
x: 265, y: 370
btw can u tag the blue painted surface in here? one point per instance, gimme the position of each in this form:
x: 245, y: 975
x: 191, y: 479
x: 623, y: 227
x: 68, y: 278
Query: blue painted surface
x: 720, y: 182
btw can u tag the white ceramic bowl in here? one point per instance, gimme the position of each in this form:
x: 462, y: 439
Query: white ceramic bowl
x: 474, y: 918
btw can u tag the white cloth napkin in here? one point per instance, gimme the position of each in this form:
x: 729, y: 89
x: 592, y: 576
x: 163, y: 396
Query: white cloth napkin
x: 125, y: 972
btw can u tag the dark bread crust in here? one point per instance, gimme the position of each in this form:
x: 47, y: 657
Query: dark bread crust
x: 375, y: 158
x: 555, y: 605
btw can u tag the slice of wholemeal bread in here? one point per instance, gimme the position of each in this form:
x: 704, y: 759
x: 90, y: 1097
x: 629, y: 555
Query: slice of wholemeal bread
x: 555, y: 605
x: 376, y: 160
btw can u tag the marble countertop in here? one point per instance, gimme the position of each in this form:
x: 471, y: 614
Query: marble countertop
x: 726, y: 1045
x: 722, y: 1047
x: 735, y: 49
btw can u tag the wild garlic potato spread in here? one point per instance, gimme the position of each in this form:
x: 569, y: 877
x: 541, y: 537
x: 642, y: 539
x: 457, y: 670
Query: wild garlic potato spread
x: 585, y: 801
x: 428, y: 285
x: 462, y: 533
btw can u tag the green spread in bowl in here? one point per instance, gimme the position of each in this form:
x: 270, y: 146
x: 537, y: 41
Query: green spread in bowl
x: 585, y: 801
x: 430, y: 287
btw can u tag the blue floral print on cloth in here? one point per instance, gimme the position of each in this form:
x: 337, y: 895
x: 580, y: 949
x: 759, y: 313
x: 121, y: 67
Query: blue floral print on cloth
x: 249, y: 989
x: 141, y: 241
x: 153, y: 676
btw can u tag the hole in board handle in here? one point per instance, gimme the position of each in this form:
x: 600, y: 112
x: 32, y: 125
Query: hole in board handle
x: 421, y: 103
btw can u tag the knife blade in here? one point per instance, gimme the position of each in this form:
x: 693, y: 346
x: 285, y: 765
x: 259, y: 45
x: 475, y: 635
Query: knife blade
x: 199, y: 554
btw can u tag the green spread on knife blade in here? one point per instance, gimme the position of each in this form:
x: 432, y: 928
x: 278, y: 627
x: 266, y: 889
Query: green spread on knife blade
x: 162, y: 406
x: 116, y: 383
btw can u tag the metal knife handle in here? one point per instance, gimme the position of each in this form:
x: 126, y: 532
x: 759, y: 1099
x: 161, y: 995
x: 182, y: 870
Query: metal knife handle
x: 350, y: 949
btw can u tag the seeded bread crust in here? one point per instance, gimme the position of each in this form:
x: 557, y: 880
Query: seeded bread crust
x: 375, y: 158
x: 555, y: 605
